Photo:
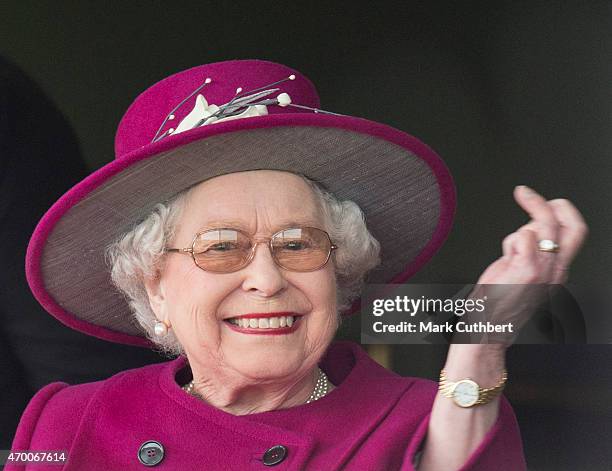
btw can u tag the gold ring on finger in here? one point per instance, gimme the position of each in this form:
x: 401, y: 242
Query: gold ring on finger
x: 547, y: 245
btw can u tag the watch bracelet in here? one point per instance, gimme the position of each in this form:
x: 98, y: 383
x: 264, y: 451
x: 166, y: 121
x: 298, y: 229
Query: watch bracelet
x: 484, y: 394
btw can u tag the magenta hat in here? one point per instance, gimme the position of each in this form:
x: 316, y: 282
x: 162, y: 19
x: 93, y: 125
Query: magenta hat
x: 221, y: 118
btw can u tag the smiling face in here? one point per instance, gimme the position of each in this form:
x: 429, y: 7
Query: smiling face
x: 198, y: 304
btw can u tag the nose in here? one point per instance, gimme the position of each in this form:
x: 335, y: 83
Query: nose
x: 263, y: 275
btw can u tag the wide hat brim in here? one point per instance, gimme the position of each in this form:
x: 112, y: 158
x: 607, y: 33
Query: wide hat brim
x: 402, y: 186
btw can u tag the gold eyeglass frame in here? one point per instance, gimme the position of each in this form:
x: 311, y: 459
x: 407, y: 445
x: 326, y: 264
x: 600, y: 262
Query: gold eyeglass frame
x: 254, y: 242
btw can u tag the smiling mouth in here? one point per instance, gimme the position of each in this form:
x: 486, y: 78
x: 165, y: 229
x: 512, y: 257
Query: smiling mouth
x: 254, y: 323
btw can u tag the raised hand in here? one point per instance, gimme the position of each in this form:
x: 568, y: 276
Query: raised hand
x: 537, y: 254
x: 523, y: 261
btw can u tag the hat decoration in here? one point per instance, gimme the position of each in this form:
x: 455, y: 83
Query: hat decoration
x: 243, y: 105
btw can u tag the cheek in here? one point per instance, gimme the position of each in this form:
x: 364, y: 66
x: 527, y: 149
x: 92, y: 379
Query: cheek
x: 194, y: 296
x: 320, y: 290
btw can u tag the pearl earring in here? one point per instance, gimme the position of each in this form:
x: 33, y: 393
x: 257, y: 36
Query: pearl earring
x: 161, y: 329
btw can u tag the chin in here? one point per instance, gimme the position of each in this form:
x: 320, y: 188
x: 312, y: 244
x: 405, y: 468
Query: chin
x: 269, y: 363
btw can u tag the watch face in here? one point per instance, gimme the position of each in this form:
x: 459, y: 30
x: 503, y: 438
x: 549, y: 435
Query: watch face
x: 465, y: 393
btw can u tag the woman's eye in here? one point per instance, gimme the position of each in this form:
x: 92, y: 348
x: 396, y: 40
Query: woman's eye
x: 222, y: 246
x: 296, y: 245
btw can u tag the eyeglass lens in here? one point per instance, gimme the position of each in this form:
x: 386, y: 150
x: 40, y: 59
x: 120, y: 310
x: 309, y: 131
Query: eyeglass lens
x: 296, y: 249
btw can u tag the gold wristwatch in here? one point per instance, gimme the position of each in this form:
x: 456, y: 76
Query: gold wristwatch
x: 467, y: 393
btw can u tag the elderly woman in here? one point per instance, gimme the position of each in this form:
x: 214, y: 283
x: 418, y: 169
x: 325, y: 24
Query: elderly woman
x: 230, y: 232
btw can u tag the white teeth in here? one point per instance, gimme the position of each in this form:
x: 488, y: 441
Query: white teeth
x: 264, y: 322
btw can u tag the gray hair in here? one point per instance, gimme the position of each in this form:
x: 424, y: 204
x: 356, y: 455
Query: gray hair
x: 138, y: 255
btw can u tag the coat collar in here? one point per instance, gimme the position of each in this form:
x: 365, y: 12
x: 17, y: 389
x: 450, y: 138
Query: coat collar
x: 359, y: 380
x: 149, y: 404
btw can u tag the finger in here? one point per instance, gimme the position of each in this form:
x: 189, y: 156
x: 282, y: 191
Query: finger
x: 547, y: 261
x: 573, y: 230
x: 519, y: 247
x: 559, y: 269
x: 546, y: 227
x: 543, y: 218
x: 531, y: 225
x: 508, y: 244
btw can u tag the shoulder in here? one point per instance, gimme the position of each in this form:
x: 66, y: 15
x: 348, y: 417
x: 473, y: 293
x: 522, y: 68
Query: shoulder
x: 373, y: 380
x: 52, y: 415
x: 52, y: 418
x: 367, y: 368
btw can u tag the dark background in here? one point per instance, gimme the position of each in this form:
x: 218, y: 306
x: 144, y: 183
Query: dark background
x: 506, y: 92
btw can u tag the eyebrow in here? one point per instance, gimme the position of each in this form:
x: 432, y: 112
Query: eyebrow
x: 283, y: 224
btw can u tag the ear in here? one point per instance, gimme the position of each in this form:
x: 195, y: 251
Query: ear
x: 155, y: 291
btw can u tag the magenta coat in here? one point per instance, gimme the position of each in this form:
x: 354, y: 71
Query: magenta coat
x: 373, y: 420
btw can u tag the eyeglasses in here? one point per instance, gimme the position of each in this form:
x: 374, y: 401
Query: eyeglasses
x: 227, y: 250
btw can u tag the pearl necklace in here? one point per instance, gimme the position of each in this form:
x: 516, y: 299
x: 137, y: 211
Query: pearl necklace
x: 321, y: 388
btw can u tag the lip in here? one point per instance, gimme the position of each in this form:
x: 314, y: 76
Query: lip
x: 265, y: 315
x: 270, y: 331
